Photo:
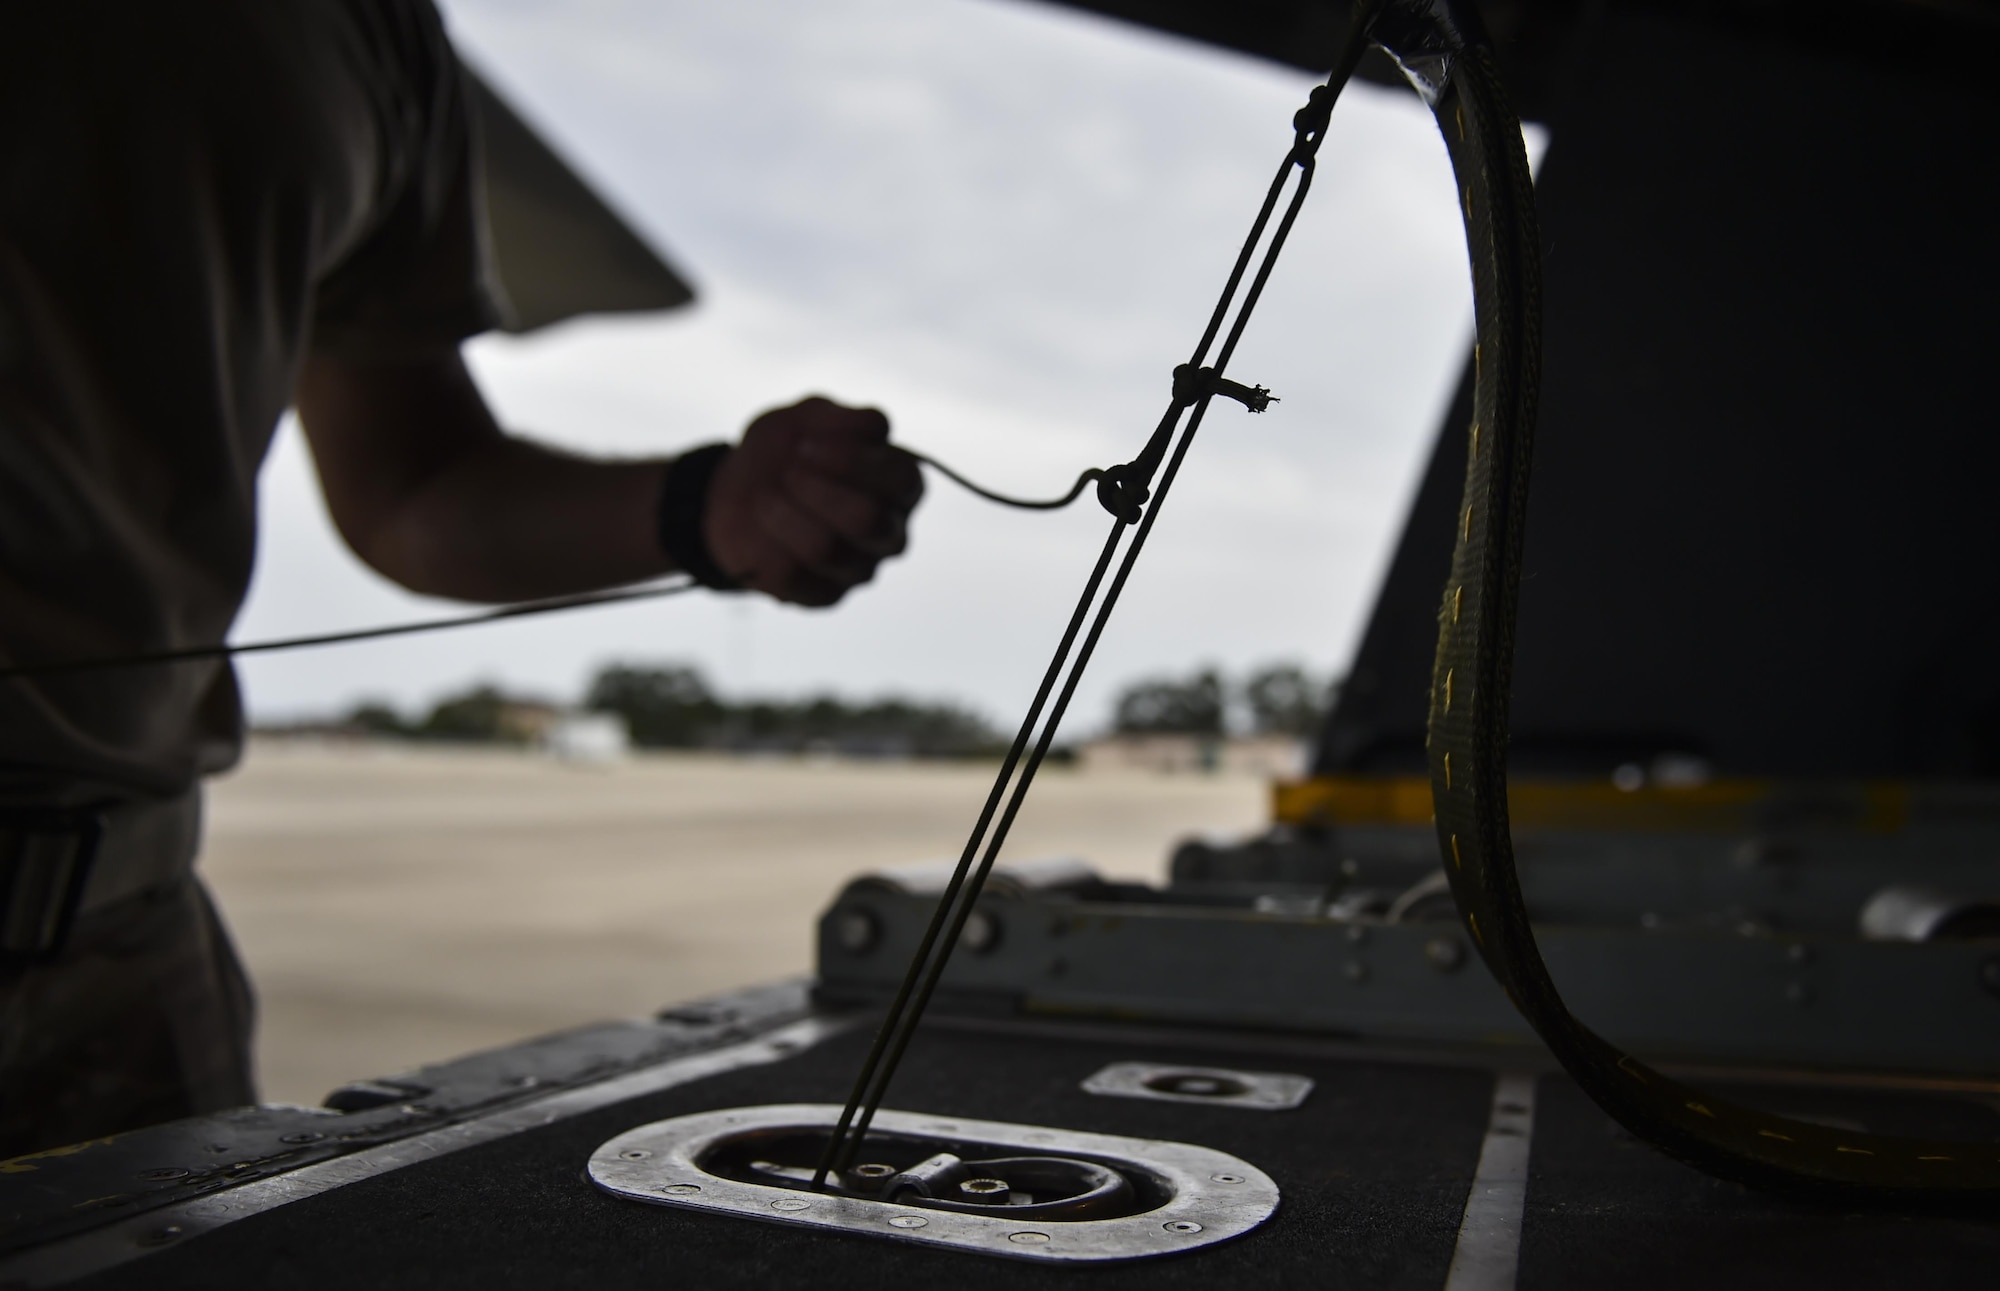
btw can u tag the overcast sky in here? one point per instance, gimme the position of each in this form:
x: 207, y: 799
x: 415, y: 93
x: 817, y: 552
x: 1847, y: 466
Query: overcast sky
x: 1004, y: 223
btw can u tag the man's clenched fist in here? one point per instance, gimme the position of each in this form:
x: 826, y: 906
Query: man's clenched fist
x: 811, y: 501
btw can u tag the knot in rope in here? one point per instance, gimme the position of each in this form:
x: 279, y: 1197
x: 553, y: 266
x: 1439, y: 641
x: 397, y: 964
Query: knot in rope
x: 1123, y: 490
x: 1193, y: 384
x: 1310, y: 122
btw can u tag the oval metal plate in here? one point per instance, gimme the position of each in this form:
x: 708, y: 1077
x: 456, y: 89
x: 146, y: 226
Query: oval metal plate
x: 1214, y: 1196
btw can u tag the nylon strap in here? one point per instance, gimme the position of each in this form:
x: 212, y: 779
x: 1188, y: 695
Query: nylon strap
x: 1469, y: 696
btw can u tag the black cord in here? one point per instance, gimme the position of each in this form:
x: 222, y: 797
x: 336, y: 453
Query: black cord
x: 1025, y: 504
x: 223, y: 650
x: 520, y: 611
x: 1123, y: 490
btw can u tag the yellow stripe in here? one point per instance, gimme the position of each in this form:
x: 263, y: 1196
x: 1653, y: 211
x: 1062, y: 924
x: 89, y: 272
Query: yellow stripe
x: 1720, y: 806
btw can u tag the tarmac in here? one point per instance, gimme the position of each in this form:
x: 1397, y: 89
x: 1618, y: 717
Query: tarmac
x: 399, y: 905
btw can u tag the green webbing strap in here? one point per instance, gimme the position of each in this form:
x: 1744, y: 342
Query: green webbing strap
x: 1468, y: 714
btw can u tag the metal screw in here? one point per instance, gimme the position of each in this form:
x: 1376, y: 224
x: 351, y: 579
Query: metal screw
x: 308, y: 1136
x: 872, y: 1170
x: 981, y: 932
x: 1181, y: 1226
x: 856, y: 931
x: 681, y: 1189
x: 1355, y: 971
x: 982, y: 1187
x: 635, y: 1154
x: 1227, y: 1178
x: 1029, y: 1239
x: 791, y: 1203
x: 1444, y: 953
x: 165, y: 1172
x: 907, y: 1221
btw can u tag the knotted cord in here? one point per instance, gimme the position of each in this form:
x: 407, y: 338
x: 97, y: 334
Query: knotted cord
x: 520, y: 610
x: 1124, y: 491
x: 1024, y: 504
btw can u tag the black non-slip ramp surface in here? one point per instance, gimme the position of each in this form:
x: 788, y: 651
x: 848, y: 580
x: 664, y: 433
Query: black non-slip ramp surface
x: 1374, y: 1169
x: 1606, y: 1210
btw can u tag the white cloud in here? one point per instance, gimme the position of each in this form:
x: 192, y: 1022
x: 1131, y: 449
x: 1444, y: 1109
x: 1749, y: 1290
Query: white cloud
x: 1004, y: 223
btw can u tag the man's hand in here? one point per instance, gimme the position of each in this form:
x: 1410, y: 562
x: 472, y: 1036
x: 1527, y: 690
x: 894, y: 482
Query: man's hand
x: 811, y: 501
x: 429, y: 491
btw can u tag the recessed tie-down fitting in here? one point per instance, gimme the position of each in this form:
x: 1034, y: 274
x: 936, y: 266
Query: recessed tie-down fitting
x: 1022, y: 1191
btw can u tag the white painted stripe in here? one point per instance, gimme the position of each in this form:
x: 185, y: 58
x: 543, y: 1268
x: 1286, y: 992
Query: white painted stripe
x: 1489, y: 1236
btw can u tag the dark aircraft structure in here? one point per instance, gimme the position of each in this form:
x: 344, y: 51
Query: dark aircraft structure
x: 1638, y: 924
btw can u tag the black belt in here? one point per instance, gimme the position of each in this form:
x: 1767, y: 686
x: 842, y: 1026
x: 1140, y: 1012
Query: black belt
x: 58, y: 864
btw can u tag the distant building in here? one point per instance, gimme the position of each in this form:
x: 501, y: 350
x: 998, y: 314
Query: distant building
x: 587, y: 738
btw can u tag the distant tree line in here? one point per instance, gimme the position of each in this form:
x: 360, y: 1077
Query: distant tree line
x: 671, y: 706
x: 1278, y: 699
x: 483, y: 714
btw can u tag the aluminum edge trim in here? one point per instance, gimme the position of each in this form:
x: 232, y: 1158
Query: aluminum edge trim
x: 74, y: 1257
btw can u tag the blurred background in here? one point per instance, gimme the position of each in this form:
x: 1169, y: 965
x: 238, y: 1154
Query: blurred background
x: 1004, y: 224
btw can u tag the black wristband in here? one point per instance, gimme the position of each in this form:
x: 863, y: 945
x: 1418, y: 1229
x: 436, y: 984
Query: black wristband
x: 683, y: 507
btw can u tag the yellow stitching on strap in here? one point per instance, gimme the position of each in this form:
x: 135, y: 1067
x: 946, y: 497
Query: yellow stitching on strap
x: 1773, y: 1134
x: 1457, y: 861
x: 1859, y: 1152
x: 1698, y: 1108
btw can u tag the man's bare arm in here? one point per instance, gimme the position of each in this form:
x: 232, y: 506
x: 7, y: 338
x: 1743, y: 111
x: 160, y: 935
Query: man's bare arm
x: 431, y: 493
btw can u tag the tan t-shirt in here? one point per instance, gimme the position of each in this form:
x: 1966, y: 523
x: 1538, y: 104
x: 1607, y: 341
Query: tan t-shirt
x: 192, y: 193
